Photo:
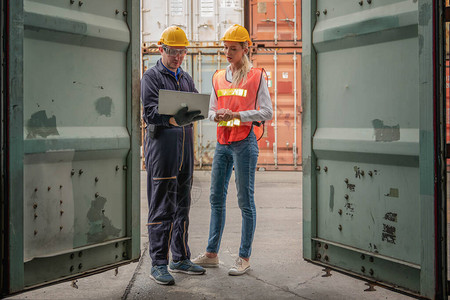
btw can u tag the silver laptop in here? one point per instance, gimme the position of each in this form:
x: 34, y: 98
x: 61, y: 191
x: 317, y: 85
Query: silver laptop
x: 171, y: 101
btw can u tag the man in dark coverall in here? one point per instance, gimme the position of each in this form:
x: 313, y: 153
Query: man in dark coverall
x: 169, y: 161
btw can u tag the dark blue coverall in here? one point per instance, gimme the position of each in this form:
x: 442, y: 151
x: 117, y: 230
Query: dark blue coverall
x: 169, y: 160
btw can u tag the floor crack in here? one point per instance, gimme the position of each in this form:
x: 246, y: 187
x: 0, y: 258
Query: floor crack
x: 287, y: 290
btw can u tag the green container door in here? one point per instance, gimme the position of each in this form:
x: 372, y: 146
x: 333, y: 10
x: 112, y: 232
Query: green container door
x: 368, y: 151
x: 73, y: 148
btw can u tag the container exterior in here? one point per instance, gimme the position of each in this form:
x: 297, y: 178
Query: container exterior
x: 73, y: 138
x: 280, y: 146
x: 204, y: 21
x: 275, y: 23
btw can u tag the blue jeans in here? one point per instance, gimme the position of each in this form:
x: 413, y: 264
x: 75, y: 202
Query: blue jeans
x: 244, y: 156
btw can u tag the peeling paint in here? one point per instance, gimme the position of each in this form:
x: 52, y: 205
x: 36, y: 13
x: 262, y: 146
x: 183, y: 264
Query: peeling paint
x: 331, y: 198
x: 350, y: 209
x: 103, y: 106
x: 100, y: 226
x: 393, y: 192
x: 40, y: 125
x: 357, y: 172
x: 384, y: 133
x: 390, y: 216
x: 388, y: 234
x: 351, y: 187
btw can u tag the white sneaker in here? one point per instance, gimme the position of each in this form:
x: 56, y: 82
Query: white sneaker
x: 205, y: 261
x: 240, y: 267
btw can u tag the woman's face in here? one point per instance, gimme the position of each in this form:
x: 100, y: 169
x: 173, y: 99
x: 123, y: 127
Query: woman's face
x: 234, y: 52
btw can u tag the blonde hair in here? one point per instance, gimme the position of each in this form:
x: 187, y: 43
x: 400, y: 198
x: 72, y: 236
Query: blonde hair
x: 240, y: 75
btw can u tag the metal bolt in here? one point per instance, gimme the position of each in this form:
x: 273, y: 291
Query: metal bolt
x: 371, y: 259
x: 35, y: 205
x: 371, y: 272
x: 117, y: 11
x: 35, y: 232
x: 60, y: 228
x: 340, y: 211
x: 71, y: 268
x: 363, y: 269
x: 80, y: 172
x: 80, y: 266
x: 361, y: 2
x: 325, y: 169
x: 117, y: 256
x: 72, y: 172
x: 363, y: 256
x: 124, y: 254
x: 326, y: 257
x: 35, y: 189
x: 60, y: 186
x: 72, y: 1
x: 125, y: 168
x: 346, y: 180
x: 117, y: 245
x: 346, y: 197
x: 340, y: 227
x: 117, y: 168
x: 317, y: 13
x: 80, y: 254
x: 96, y: 179
x: 61, y: 212
x: 362, y: 173
x: 80, y: 3
x: 325, y: 11
x: 72, y: 256
x: 103, y: 225
x: 125, y: 13
x: 35, y: 215
x: 369, y: 1
x: 60, y: 202
x: 319, y: 256
x: 370, y: 173
x: 319, y: 245
x: 318, y: 168
x: 326, y: 246
x: 96, y: 195
x: 49, y: 188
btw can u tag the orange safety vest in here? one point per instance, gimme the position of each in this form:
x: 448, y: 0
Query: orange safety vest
x: 240, y: 98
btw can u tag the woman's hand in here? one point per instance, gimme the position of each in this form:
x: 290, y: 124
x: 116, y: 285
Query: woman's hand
x: 223, y: 114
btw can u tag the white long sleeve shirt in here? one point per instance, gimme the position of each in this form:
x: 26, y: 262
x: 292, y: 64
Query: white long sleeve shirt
x: 262, y: 100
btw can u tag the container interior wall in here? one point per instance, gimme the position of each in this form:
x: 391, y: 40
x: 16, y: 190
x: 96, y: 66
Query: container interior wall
x: 76, y: 137
x: 275, y: 23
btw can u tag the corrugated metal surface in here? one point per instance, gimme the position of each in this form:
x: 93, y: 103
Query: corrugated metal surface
x: 275, y: 23
x: 280, y: 146
x: 369, y: 157
x: 74, y: 146
x: 204, y: 21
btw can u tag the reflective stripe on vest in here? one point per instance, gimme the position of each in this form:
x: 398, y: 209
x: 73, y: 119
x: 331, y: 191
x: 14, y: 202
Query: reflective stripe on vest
x: 240, y: 98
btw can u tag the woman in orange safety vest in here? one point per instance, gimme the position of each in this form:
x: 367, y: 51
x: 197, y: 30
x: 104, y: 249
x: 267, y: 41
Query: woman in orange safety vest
x: 240, y: 103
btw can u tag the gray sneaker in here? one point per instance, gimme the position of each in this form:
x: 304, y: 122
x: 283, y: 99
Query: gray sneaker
x: 207, y: 262
x: 186, y: 266
x: 161, y: 275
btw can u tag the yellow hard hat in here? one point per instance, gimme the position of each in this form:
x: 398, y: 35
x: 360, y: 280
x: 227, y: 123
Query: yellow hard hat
x: 174, y: 36
x: 237, y: 33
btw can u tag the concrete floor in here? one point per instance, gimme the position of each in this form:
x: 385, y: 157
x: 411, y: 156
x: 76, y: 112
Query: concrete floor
x: 278, y: 270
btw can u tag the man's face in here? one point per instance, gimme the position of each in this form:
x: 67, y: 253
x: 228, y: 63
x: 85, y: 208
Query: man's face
x: 172, y: 57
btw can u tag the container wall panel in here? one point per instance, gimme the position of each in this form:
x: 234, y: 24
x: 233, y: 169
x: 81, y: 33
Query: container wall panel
x: 275, y: 22
x: 79, y: 135
x: 280, y: 146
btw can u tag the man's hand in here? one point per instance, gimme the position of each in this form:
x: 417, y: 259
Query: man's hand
x: 184, y: 117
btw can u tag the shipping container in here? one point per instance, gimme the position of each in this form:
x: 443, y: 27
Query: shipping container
x: 275, y: 23
x: 70, y: 139
x: 204, y: 21
x: 280, y: 146
x: 374, y: 172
